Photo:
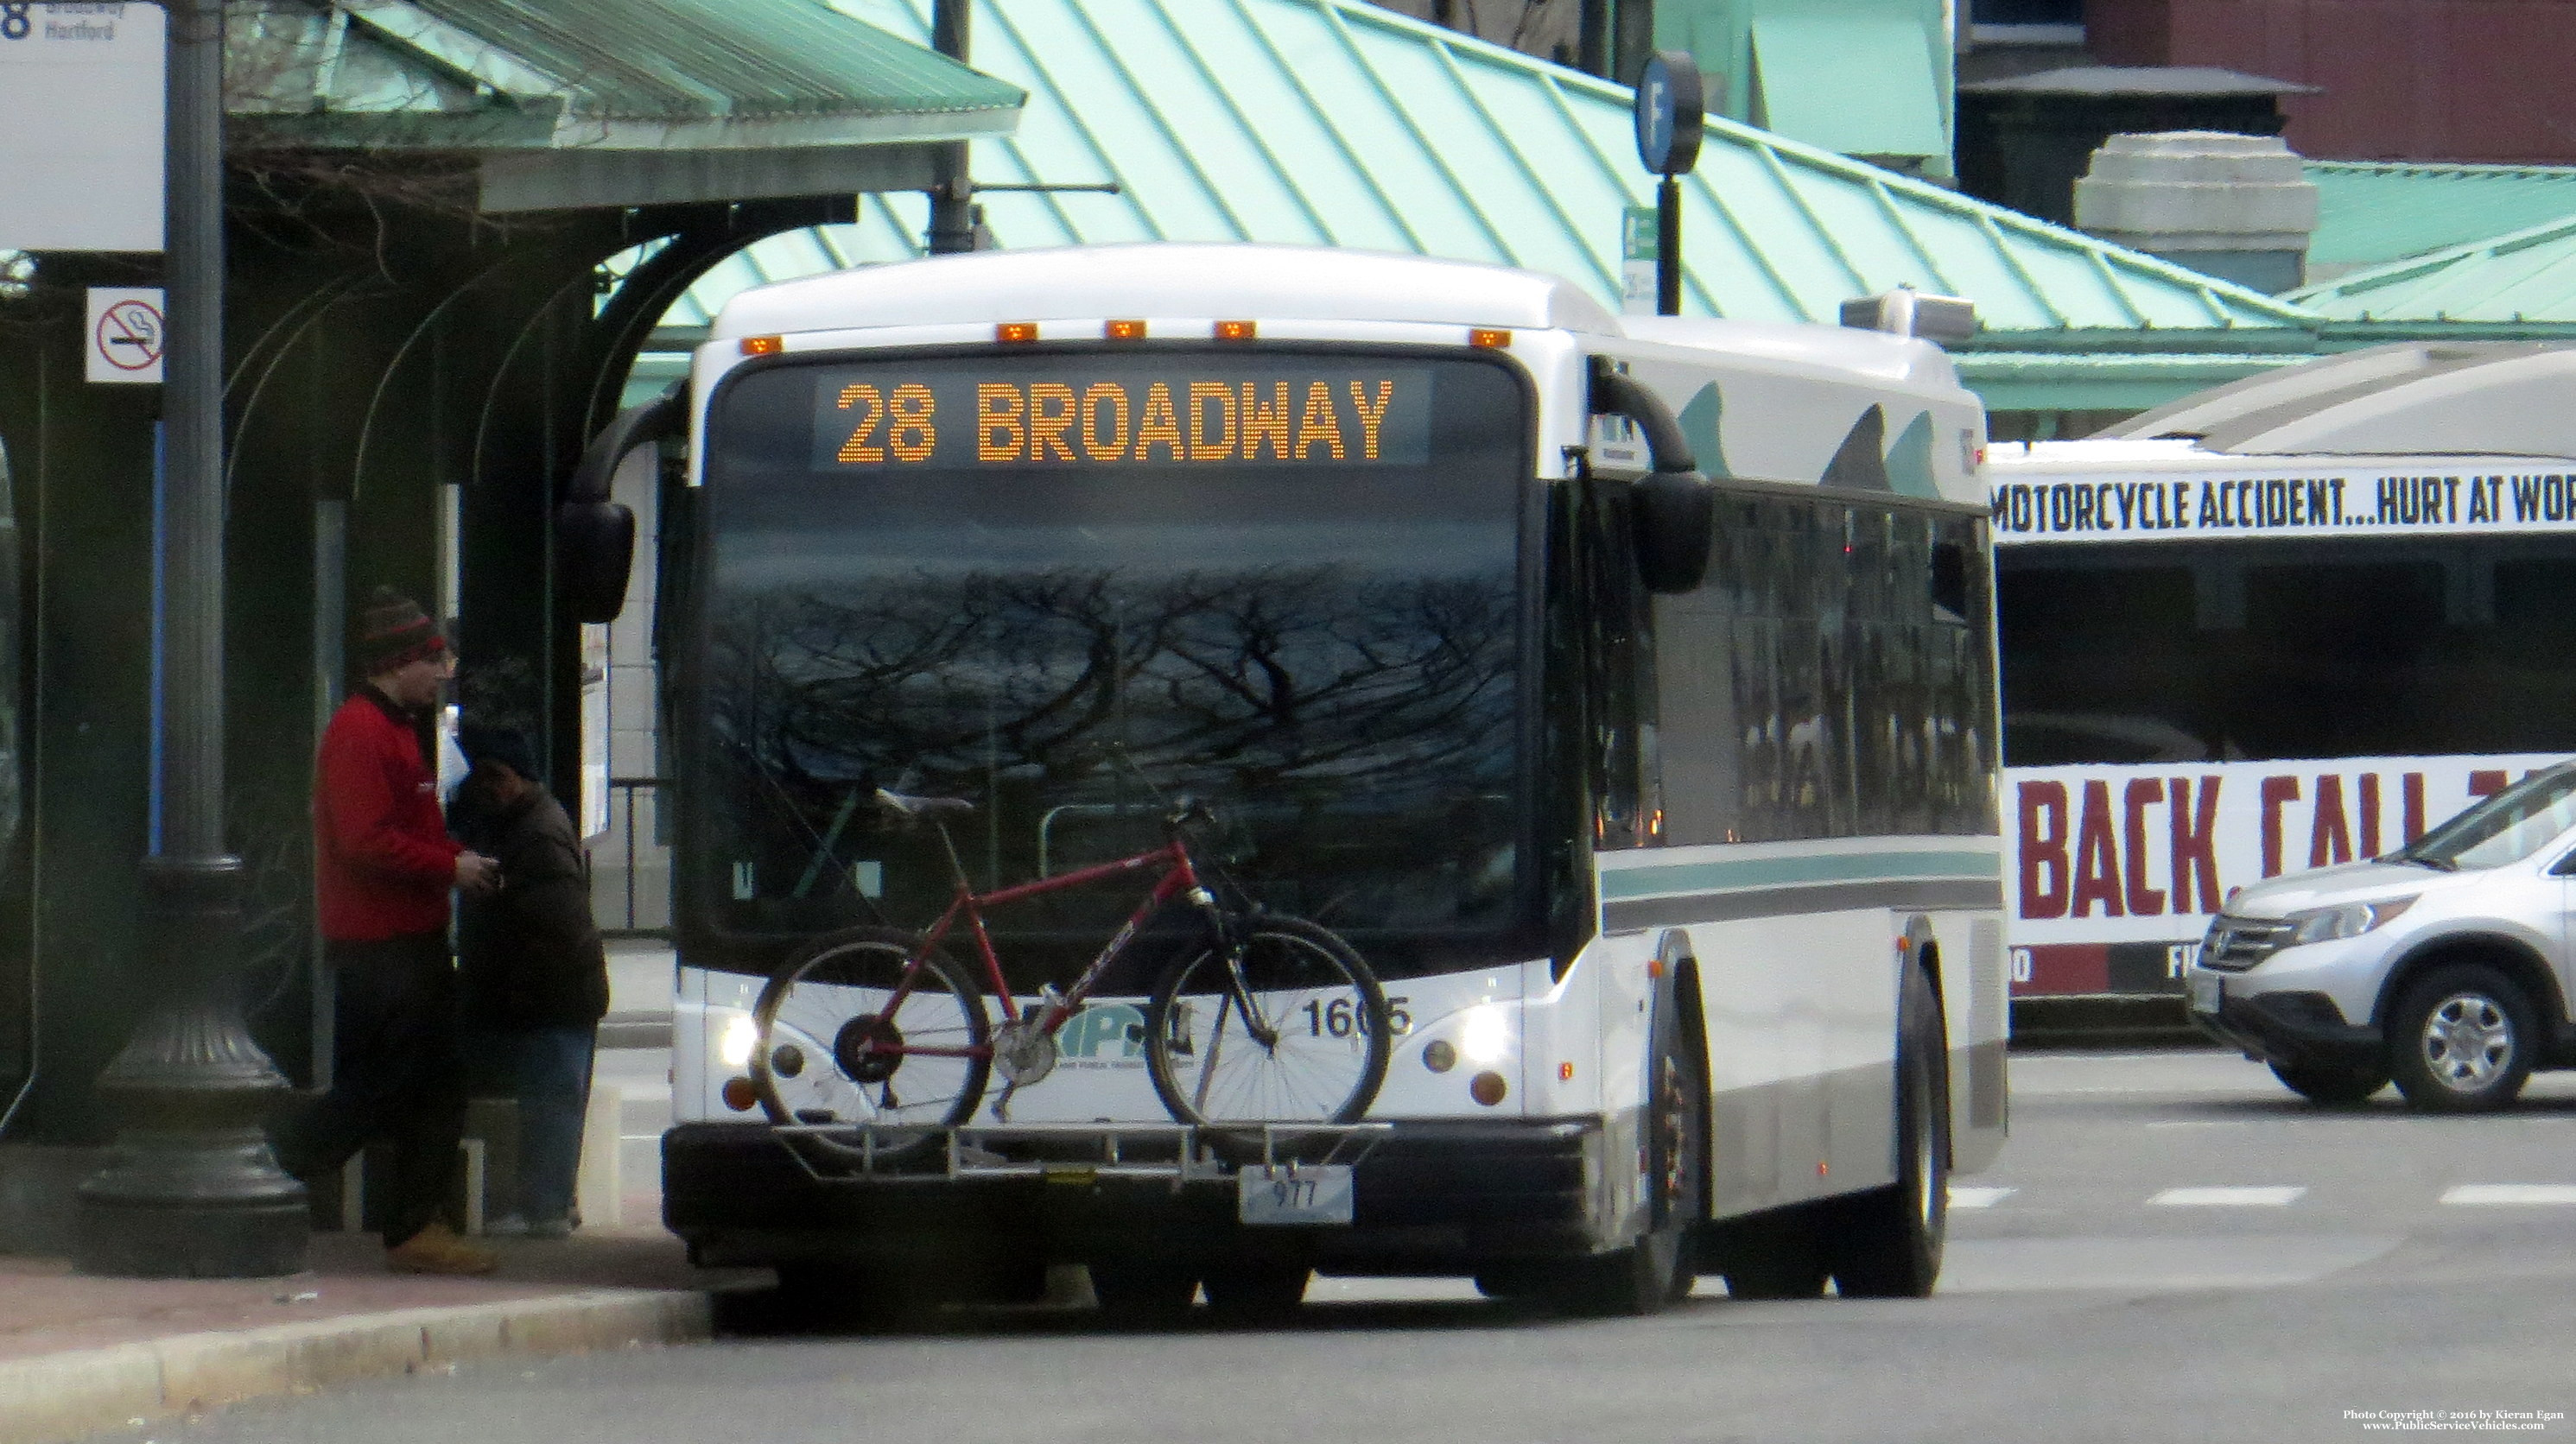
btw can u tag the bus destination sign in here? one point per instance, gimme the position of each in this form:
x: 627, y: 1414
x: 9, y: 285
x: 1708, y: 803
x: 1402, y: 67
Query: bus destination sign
x: 1060, y: 413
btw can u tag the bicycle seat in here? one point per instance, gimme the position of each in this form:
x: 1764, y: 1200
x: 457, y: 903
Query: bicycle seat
x: 922, y: 809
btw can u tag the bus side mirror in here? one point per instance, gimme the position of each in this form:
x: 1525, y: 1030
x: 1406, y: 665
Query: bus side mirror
x: 1676, y: 508
x: 1676, y: 519
x: 594, y: 556
x: 595, y: 536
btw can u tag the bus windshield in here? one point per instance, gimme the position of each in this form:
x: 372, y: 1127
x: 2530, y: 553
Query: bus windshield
x: 2258, y: 650
x: 1073, y: 586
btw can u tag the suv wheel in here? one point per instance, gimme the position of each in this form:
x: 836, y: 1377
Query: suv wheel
x: 2329, y: 1086
x: 2460, y: 1039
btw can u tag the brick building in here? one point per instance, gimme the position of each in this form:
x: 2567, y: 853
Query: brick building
x: 2454, y: 80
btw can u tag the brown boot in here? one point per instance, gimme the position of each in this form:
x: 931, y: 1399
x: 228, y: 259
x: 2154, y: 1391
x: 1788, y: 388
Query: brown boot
x: 437, y: 1250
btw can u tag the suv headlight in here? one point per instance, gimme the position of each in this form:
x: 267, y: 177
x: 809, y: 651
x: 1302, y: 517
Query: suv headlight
x: 2350, y: 920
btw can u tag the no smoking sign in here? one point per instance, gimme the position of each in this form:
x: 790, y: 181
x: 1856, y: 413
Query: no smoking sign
x: 127, y: 334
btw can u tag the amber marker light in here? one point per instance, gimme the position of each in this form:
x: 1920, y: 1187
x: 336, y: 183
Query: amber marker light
x: 1016, y: 332
x: 1487, y: 1088
x: 763, y: 345
x: 1489, y: 339
x: 1235, y: 330
x: 740, y: 1095
x: 1565, y: 1072
x: 1124, y: 330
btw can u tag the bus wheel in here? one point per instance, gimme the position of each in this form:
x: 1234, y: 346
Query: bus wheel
x: 1661, y: 1266
x: 843, y: 1296
x: 1143, y: 1291
x: 1256, y: 1290
x: 1773, y: 1257
x: 1889, y: 1244
x: 2331, y: 1087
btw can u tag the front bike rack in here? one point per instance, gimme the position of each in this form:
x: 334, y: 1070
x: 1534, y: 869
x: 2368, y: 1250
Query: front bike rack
x: 1174, y: 1153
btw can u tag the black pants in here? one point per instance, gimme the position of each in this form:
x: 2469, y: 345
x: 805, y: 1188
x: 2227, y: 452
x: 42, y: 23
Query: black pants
x: 395, y: 1077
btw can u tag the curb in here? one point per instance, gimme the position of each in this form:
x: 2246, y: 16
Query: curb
x: 56, y: 1397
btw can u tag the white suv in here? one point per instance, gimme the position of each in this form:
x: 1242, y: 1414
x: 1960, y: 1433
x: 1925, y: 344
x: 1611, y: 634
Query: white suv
x: 2445, y: 965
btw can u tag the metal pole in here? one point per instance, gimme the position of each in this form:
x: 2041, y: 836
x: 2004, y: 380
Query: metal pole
x: 952, y: 195
x: 191, y: 1189
x: 1668, y: 248
x: 1592, y: 38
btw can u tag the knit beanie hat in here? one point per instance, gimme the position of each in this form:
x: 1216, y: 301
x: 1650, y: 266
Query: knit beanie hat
x: 393, y: 631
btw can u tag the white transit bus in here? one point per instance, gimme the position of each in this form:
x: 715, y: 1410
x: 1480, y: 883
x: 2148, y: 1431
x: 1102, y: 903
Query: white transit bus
x: 2283, y: 624
x: 1622, y: 690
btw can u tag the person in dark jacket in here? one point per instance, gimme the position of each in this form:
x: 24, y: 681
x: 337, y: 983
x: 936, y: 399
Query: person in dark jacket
x: 535, y: 975
x: 383, y: 868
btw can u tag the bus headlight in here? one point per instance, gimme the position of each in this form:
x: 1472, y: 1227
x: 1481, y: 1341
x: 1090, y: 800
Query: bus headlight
x: 735, y: 1043
x: 2351, y: 920
x: 1485, y: 1035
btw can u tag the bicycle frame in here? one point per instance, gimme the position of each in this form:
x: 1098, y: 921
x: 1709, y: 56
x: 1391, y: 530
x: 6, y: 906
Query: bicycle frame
x: 1179, y: 879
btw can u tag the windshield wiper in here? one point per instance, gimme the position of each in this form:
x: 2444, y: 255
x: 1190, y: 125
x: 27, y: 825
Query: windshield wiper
x: 2438, y: 864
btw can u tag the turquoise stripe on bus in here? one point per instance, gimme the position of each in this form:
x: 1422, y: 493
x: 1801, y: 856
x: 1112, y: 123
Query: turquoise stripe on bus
x: 1687, y: 877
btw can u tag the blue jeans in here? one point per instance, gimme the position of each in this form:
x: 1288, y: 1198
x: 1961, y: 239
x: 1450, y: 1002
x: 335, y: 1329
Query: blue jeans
x: 550, y: 1072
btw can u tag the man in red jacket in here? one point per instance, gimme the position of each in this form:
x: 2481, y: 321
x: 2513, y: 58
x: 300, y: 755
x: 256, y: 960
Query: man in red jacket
x: 384, y: 867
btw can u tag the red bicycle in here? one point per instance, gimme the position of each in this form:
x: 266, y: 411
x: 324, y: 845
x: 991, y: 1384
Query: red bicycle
x: 1259, y: 1019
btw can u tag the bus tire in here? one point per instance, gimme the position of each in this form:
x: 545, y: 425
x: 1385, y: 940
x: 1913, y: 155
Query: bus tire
x: 1774, y: 1256
x: 2460, y: 1040
x: 1147, y: 1292
x: 2331, y: 1087
x: 847, y: 1296
x: 1256, y: 1290
x: 1888, y: 1244
x: 1663, y: 1264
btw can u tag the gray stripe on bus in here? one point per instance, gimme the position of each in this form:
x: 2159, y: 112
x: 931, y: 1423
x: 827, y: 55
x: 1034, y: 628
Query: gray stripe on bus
x: 1730, y: 906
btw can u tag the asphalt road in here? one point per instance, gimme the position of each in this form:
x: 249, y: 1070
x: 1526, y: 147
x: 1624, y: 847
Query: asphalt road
x: 2173, y: 1248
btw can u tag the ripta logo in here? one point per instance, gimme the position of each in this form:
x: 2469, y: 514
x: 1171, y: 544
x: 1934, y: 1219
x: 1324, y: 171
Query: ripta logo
x: 1104, y: 1034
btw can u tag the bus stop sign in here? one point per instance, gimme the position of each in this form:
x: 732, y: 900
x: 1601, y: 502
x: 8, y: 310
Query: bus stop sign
x: 1671, y: 111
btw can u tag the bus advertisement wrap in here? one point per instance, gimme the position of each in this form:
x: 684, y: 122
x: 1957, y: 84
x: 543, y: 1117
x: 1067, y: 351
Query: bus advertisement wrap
x: 2133, y: 506
x: 2105, y: 858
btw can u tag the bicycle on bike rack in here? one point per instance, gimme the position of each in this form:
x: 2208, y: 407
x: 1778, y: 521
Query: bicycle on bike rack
x: 1260, y: 1020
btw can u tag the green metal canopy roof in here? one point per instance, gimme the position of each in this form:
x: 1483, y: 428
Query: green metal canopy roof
x: 603, y: 102
x: 2522, y: 284
x: 1334, y: 122
x: 2373, y: 212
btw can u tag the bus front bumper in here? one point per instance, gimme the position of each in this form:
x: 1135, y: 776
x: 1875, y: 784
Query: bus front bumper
x: 1431, y: 1197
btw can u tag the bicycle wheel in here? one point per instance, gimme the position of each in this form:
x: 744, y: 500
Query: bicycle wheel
x: 1302, y: 1039
x: 828, y: 1051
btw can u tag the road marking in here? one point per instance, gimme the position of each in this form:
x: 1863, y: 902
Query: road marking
x: 1969, y: 1197
x: 2255, y: 1197
x: 2512, y: 1193
x: 2201, y: 1123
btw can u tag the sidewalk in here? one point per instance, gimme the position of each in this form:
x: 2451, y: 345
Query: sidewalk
x: 80, y: 1354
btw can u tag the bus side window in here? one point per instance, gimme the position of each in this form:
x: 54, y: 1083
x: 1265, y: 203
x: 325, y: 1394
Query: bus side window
x: 1617, y: 679
x: 1950, y: 582
x: 1959, y: 659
